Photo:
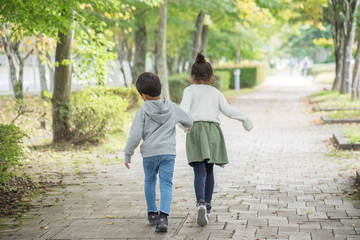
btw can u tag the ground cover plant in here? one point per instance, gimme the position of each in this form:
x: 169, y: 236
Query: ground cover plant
x: 333, y: 99
x: 353, y: 134
x: 344, y: 114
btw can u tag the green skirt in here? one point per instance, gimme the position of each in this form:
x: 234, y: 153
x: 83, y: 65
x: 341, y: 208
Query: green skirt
x: 206, y: 142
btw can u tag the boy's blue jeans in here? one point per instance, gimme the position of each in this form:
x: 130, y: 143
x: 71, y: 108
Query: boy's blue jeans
x: 164, y: 165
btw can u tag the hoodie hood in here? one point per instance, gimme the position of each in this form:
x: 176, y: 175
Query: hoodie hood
x: 158, y: 110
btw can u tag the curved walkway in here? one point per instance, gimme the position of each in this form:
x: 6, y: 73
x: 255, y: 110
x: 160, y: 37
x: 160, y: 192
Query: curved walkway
x: 279, y: 185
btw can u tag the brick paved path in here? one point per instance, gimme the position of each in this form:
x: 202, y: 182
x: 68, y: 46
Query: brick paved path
x: 279, y: 185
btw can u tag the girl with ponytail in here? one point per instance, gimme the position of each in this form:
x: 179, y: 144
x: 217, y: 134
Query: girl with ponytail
x: 205, y: 145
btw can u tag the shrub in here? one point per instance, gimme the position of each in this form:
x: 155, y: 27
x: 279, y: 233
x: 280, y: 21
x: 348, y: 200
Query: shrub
x: 177, y: 84
x: 222, y: 80
x: 251, y: 74
x: 94, y: 112
x: 131, y: 94
x: 11, y: 149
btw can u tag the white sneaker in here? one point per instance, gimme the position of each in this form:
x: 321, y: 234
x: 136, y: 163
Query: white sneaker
x: 201, y: 217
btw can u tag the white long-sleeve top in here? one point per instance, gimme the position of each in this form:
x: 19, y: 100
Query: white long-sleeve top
x: 204, y: 103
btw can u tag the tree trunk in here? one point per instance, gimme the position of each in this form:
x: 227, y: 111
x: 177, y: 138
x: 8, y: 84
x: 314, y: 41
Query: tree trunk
x: 51, y: 71
x: 237, y: 54
x: 129, y: 54
x: 197, y: 37
x: 181, y: 64
x: 120, y: 56
x: 42, y: 74
x: 16, y: 84
x: 154, y: 52
x: 350, y: 11
x: 62, y: 88
x: 339, y: 57
x: 8, y: 47
x: 347, y: 71
x: 175, y: 64
x: 204, y: 38
x: 140, y: 48
x: 356, y: 75
x: 162, y: 69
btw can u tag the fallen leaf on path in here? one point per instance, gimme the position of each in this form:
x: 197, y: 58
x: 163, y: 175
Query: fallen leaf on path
x: 57, y: 199
x: 309, y: 213
x: 110, y: 216
x: 111, y: 223
x: 26, y: 200
x: 21, y: 222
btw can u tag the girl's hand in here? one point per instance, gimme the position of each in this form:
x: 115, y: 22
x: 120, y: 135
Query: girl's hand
x: 127, y: 165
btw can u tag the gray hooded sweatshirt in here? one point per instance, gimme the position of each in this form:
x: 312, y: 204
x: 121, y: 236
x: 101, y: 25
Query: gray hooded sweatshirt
x: 154, y: 123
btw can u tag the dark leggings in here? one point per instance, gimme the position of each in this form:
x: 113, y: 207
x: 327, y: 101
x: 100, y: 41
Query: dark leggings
x: 203, y: 180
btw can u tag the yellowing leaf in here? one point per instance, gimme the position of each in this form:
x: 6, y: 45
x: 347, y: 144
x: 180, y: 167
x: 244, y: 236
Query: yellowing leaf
x: 28, y: 41
x: 309, y: 213
x: 110, y: 216
x: 111, y: 223
x: 246, y: 24
x: 23, y: 48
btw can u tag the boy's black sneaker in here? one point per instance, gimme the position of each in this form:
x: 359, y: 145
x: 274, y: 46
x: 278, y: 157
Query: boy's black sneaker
x: 152, y: 217
x: 162, y: 225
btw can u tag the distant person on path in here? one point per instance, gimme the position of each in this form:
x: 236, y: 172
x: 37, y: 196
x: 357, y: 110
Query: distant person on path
x: 292, y: 65
x: 306, y: 66
x: 205, y: 145
x: 155, y: 123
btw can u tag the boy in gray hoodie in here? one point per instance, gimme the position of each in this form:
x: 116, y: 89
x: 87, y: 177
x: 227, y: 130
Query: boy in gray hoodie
x: 154, y: 123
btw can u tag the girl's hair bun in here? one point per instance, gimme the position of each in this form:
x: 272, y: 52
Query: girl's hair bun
x: 200, y: 58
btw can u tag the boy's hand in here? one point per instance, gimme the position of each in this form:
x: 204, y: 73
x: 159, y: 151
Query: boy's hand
x: 127, y: 165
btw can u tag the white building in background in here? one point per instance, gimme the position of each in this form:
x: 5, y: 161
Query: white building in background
x: 32, y: 80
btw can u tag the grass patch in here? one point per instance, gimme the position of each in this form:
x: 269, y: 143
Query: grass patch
x: 333, y: 99
x: 325, y: 77
x: 230, y: 94
x: 115, y: 141
x: 353, y: 134
x: 344, y: 114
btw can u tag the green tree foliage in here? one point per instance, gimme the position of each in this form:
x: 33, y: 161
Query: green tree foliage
x: 305, y: 42
x: 93, y: 55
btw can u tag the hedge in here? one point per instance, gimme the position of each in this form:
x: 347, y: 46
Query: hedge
x: 177, y: 84
x: 251, y: 73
